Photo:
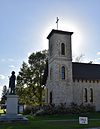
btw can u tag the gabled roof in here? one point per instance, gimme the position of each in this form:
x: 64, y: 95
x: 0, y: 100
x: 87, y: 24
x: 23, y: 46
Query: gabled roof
x: 86, y: 71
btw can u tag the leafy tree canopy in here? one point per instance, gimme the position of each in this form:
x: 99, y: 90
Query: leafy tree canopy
x: 29, y: 80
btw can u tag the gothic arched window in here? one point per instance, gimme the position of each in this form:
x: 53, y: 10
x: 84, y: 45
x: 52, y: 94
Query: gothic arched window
x: 62, y: 49
x: 63, y: 72
x: 51, y: 97
x: 91, y: 95
x: 85, y: 94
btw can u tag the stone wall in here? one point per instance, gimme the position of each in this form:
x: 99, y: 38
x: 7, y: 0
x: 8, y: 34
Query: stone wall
x: 67, y: 90
x: 78, y: 92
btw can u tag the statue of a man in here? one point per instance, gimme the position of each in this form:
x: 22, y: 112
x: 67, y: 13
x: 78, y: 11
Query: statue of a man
x: 12, y: 83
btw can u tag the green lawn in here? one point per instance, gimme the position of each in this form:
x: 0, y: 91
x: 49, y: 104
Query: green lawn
x: 54, y: 122
x: 1, y: 111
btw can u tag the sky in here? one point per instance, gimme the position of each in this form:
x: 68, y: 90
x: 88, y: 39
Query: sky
x: 25, y: 25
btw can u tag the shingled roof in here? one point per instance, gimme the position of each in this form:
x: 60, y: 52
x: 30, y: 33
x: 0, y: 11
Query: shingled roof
x: 86, y: 71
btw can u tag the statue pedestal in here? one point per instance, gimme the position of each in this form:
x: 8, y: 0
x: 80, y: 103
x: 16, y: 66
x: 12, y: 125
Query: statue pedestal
x: 12, y: 105
x: 12, y: 110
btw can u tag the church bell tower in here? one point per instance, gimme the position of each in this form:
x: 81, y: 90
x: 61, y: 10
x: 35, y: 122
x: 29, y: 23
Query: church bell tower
x: 59, y: 82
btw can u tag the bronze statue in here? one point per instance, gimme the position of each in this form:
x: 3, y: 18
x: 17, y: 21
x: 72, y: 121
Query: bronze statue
x: 12, y: 83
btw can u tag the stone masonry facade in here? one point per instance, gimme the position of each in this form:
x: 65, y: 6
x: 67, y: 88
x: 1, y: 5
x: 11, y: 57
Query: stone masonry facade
x: 60, y: 85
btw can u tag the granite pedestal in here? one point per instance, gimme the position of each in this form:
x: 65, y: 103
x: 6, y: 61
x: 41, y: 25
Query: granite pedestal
x: 12, y: 105
x: 12, y: 110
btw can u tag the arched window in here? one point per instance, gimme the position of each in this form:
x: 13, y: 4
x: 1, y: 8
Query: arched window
x: 85, y: 94
x: 62, y: 49
x: 91, y: 95
x: 51, y: 97
x: 63, y: 72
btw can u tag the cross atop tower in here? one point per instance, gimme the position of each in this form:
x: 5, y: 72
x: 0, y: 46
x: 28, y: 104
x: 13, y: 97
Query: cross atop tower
x: 57, y: 22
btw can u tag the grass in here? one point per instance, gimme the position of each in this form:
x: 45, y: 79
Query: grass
x: 1, y: 111
x: 95, y: 115
x: 54, y: 122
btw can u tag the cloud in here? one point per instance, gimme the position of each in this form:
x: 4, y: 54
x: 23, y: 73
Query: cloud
x: 97, y: 61
x: 7, y: 60
x: 2, y: 77
x: 29, y: 53
x: 98, y: 53
x: 12, y: 66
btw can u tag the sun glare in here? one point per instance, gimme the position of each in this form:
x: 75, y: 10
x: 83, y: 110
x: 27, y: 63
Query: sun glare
x: 76, y: 37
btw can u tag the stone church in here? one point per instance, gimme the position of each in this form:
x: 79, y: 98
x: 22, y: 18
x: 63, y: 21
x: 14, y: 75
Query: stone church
x: 69, y: 81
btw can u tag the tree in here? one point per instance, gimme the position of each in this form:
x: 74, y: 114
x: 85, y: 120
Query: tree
x: 79, y: 58
x: 24, y: 86
x: 29, y: 81
x: 4, y: 93
x: 37, y: 63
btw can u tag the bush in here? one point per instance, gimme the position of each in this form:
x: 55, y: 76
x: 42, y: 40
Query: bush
x: 31, y: 110
x: 78, y: 109
x: 52, y: 109
x: 62, y: 109
x: 27, y: 110
x: 90, y: 108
